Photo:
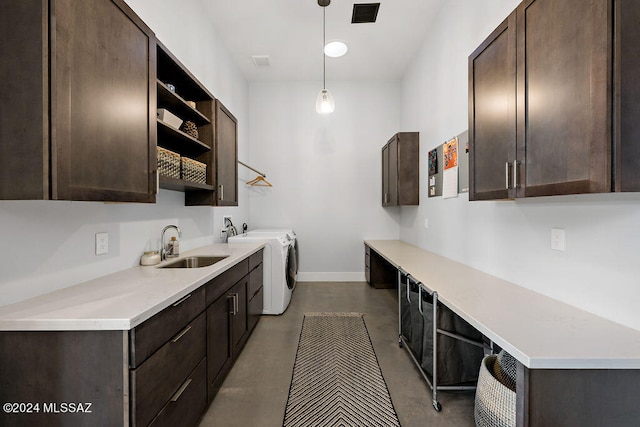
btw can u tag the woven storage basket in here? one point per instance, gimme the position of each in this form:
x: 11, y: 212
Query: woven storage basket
x: 194, y: 171
x: 168, y: 163
x: 495, y: 404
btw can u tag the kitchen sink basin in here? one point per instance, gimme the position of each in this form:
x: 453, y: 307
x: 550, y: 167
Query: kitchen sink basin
x: 195, y: 262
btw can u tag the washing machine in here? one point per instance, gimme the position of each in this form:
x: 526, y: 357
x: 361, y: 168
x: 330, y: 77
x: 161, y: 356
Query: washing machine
x: 280, y: 266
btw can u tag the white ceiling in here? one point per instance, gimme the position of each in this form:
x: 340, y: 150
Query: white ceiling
x: 290, y: 33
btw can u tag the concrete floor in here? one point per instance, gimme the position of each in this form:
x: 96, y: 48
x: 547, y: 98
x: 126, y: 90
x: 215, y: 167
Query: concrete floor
x: 255, y: 392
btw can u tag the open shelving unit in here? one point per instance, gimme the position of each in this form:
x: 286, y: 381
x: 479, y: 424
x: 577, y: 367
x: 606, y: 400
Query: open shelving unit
x: 187, y: 88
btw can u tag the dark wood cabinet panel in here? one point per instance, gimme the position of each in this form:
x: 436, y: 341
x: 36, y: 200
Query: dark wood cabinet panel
x: 102, y: 86
x: 492, y: 114
x: 186, y: 406
x: 567, y: 397
x: 155, y: 381
x: 226, y: 156
x: 239, y: 315
x: 84, y: 70
x: 149, y: 336
x: 564, y: 79
x: 219, y: 356
x: 379, y: 273
x: 221, y: 284
x: 255, y: 308
x: 24, y: 103
x: 627, y: 95
x: 400, y: 170
x: 576, y: 101
x: 52, y: 367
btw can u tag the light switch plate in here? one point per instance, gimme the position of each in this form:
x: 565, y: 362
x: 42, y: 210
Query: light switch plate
x: 102, y: 243
x: 557, y: 239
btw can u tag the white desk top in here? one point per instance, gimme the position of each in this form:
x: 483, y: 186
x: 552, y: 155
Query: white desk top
x: 122, y: 300
x: 541, y: 332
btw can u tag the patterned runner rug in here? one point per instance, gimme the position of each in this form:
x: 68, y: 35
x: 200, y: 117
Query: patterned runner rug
x: 336, y: 377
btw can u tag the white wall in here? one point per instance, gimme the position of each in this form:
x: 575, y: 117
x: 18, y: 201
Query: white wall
x: 325, y: 170
x: 511, y: 239
x: 50, y: 244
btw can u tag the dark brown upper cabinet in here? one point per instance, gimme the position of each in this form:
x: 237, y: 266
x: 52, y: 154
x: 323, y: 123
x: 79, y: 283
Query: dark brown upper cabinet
x: 226, y: 157
x: 492, y: 114
x: 553, y: 101
x: 77, y: 113
x: 400, y: 170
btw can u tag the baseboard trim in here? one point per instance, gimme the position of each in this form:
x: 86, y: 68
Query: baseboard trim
x: 356, y: 276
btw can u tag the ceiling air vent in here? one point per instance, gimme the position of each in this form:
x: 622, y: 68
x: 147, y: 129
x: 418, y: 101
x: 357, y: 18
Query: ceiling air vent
x: 261, y: 60
x: 364, y: 12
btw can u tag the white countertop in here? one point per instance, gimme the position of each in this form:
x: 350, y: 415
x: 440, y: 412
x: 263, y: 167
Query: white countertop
x: 122, y: 300
x: 541, y: 332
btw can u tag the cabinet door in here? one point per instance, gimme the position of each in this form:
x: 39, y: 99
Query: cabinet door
x: 239, y: 317
x: 627, y: 94
x: 393, y: 172
x: 226, y: 156
x: 407, y: 168
x: 24, y: 103
x: 492, y: 114
x: 385, y: 175
x: 218, y: 343
x: 564, y: 114
x: 102, y: 103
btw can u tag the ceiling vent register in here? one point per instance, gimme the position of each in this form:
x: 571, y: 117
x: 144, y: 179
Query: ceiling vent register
x: 364, y: 13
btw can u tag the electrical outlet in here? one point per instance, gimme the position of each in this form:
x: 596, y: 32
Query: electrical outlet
x: 102, y: 243
x: 224, y: 220
x: 426, y: 223
x: 557, y: 239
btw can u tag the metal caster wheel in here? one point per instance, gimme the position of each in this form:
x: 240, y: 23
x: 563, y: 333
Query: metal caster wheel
x: 437, y: 406
x: 400, y: 344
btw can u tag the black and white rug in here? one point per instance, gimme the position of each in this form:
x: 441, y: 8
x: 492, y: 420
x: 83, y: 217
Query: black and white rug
x: 336, y: 377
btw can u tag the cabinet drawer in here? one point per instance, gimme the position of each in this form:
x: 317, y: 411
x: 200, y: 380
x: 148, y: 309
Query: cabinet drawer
x: 255, y: 281
x: 256, y: 259
x: 254, y: 310
x: 188, y: 403
x: 149, y: 336
x: 221, y: 284
x: 158, y: 378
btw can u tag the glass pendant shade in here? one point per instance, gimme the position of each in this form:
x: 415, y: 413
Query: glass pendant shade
x: 325, y: 103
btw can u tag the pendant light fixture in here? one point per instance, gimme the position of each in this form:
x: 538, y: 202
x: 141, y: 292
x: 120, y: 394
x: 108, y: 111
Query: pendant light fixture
x: 324, y: 102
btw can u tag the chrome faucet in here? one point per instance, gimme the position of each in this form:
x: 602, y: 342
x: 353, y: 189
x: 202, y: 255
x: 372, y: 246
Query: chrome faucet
x: 163, y: 248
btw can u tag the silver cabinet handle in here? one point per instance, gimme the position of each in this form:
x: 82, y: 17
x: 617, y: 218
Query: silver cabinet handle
x: 515, y: 174
x: 181, y: 334
x: 221, y: 186
x: 181, y: 390
x: 182, y: 300
x: 237, y: 304
x: 506, y: 174
x: 235, y: 309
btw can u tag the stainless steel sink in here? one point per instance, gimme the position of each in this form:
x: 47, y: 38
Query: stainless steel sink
x: 195, y: 262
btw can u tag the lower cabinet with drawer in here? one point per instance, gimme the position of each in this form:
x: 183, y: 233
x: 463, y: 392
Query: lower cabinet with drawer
x: 230, y: 319
x: 163, y: 372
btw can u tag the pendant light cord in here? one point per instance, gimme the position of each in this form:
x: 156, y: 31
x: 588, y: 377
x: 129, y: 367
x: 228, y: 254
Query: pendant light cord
x: 324, y: 56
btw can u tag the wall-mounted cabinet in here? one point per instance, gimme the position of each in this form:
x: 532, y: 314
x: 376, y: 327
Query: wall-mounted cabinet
x: 179, y: 92
x: 77, y: 115
x: 216, y: 145
x: 400, y: 170
x: 226, y: 157
x: 553, y: 102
